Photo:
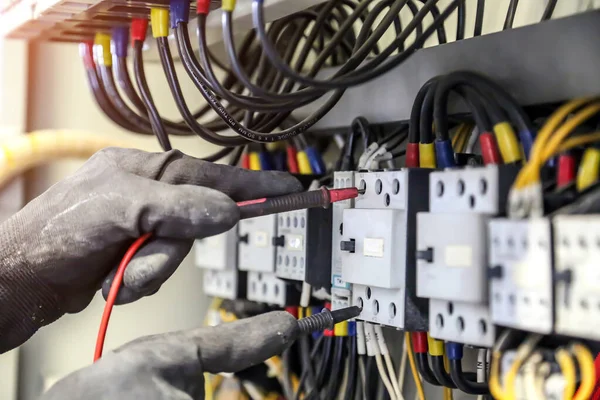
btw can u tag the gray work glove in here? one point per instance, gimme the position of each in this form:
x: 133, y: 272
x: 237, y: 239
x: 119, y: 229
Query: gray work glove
x: 59, y: 249
x: 171, y: 366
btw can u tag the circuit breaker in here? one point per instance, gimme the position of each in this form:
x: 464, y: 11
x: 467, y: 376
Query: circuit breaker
x: 520, y: 274
x: 341, y: 291
x: 217, y: 256
x: 378, y: 247
x: 255, y: 241
x: 303, y: 246
x: 577, y: 277
x: 452, y: 250
x: 265, y: 287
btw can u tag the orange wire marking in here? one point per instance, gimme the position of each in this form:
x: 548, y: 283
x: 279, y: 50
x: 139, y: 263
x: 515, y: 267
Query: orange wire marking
x: 114, y: 291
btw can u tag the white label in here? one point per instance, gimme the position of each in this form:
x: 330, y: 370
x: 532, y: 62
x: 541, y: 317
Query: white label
x: 261, y: 239
x: 294, y: 242
x: 373, y: 247
x: 458, y: 256
x: 527, y: 276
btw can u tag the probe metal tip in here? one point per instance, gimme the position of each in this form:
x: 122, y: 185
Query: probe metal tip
x: 362, y: 191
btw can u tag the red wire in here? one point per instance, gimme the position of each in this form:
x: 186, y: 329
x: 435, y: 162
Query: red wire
x: 114, y: 291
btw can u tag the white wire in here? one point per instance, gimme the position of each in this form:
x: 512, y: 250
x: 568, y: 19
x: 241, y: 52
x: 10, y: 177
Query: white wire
x: 305, y: 295
x: 363, y: 376
x: 392, y: 372
x: 481, y: 368
x: 384, y: 377
x: 402, y: 371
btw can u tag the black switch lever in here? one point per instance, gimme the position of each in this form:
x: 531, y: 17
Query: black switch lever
x: 496, y: 272
x: 425, y: 255
x: 278, y: 241
x: 244, y: 238
x: 348, y: 245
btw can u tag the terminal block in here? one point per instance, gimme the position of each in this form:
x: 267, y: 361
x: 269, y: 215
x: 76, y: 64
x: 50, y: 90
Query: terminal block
x: 520, y: 274
x: 378, y: 246
x: 577, y: 277
x: 303, y: 246
x: 268, y: 288
x: 452, y: 250
x: 255, y: 241
x: 341, y: 291
x: 217, y: 256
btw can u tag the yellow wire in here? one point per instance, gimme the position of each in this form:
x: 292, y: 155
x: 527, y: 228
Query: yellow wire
x: 567, y: 367
x: 588, y: 372
x: 579, y: 141
x: 447, y: 391
x: 494, y: 382
x: 413, y: 366
x: 462, y: 145
x: 525, y: 176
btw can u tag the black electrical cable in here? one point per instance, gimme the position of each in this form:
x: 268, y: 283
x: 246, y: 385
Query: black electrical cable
x: 415, y: 113
x: 219, y: 154
x: 336, y: 368
x: 426, y: 114
x: 371, y: 69
x: 233, y: 123
x: 461, y: 21
x: 102, y: 101
x: 371, y: 371
x: 169, y: 69
x: 349, y: 393
x: 321, y: 368
x: 307, y: 366
x: 424, y: 369
x: 510, y: 14
x: 480, y: 13
x: 441, y: 30
x: 437, y: 366
x: 140, y: 78
x: 467, y: 386
x: 237, y: 155
x: 549, y: 10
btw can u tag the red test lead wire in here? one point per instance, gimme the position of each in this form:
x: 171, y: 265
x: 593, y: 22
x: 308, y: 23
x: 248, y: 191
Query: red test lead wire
x: 114, y: 291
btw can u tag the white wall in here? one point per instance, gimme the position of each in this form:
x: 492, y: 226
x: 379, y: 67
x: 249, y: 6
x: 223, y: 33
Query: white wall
x: 58, y: 98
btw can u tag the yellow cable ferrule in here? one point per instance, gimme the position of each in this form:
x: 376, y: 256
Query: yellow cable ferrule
x: 102, y: 49
x: 510, y: 149
x: 588, y: 171
x: 436, y: 347
x: 427, y: 155
x: 341, y: 329
x: 303, y: 163
x: 307, y: 312
x: 159, y: 19
x: 228, y: 5
x: 254, y: 161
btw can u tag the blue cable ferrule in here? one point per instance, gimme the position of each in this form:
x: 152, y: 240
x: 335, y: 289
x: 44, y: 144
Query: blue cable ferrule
x: 454, y: 351
x: 120, y: 39
x: 526, y: 137
x: 280, y: 161
x: 317, y: 335
x: 314, y: 159
x: 265, y: 162
x: 179, y: 11
x: 351, y: 328
x: 444, y: 154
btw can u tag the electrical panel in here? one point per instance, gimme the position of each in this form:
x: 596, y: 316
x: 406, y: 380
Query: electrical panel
x: 452, y: 250
x: 520, y: 262
x: 217, y: 256
x: 303, y: 246
x: 378, y: 246
x: 268, y: 288
x: 577, y: 277
x: 341, y: 291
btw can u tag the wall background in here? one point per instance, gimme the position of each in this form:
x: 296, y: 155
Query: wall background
x: 42, y: 87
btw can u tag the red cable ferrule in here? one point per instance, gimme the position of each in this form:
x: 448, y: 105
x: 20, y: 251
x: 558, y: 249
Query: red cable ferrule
x: 139, y: 30
x: 489, y: 149
x: 566, y: 170
x: 292, y: 162
x: 86, y: 51
x: 202, y: 7
x: 329, y: 333
x: 245, y: 161
x: 419, y: 341
x: 292, y: 310
x: 412, y: 155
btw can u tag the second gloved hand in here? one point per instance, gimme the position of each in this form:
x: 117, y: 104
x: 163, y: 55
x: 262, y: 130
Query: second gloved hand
x: 61, y: 248
x: 171, y: 366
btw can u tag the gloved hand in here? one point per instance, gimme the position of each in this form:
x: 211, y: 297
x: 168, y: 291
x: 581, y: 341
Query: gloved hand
x: 59, y: 249
x: 170, y: 366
